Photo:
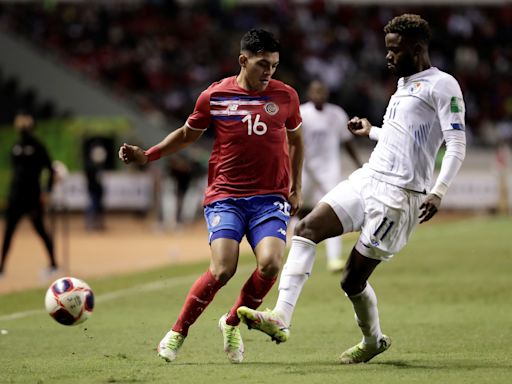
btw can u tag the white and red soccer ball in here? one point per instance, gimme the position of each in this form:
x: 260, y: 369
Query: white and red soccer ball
x: 70, y: 301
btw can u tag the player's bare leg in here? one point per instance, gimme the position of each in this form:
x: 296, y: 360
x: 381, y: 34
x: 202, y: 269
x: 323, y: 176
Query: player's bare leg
x: 223, y: 263
x: 269, y: 253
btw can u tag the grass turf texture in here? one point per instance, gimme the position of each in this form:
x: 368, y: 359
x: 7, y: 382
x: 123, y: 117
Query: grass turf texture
x: 444, y: 300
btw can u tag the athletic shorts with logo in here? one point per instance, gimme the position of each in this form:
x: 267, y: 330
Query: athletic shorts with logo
x: 255, y: 217
x: 385, y: 214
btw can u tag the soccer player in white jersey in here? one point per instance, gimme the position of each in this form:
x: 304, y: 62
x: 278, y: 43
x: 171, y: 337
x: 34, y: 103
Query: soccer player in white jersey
x: 324, y: 128
x: 388, y: 196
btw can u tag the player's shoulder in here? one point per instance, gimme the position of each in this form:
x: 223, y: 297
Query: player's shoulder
x: 335, y: 111
x: 278, y: 85
x: 307, y: 105
x: 335, y: 108
x: 439, y: 78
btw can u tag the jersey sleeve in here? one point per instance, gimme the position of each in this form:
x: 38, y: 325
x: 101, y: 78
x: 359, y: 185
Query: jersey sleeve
x: 200, y: 119
x: 449, y: 103
x: 294, y: 119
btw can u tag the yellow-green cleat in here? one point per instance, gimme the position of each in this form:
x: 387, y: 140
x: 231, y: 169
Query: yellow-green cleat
x: 233, y: 343
x: 362, y: 353
x: 266, y: 321
x: 169, y: 345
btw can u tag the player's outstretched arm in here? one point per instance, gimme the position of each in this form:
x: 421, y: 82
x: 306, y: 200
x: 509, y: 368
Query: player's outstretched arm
x: 175, y: 141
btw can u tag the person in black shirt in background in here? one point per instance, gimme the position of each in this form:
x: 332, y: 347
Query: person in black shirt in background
x: 29, y: 158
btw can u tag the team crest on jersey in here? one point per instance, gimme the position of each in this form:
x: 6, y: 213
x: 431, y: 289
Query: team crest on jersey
x: 215, y: 220
x: 415, y: 87
x: 271, y: 108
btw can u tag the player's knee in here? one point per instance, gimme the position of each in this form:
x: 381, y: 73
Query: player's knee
x: 270, y: 271
x: 352, y: 286
x: 303, y: 229
x: 223, y: 274
x: 270, y: 266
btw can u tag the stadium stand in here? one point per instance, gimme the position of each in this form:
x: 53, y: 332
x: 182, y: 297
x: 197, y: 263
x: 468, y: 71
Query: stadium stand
x: 13, y: 98
x: 161, y: 54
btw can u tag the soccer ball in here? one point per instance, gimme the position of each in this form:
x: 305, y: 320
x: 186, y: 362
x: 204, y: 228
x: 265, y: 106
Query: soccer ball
x: 69, y: 301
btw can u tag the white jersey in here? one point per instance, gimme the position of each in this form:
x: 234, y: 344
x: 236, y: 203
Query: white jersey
x: 323, y: 131
x: 423, y: 106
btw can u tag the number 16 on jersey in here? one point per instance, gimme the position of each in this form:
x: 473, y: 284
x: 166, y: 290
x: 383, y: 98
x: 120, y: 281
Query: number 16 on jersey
x: 258, y: 127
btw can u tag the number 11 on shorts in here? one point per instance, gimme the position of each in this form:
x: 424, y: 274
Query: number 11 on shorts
x: 383, y: 228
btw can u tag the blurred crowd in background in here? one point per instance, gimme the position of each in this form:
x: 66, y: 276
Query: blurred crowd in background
x: 161, y: 54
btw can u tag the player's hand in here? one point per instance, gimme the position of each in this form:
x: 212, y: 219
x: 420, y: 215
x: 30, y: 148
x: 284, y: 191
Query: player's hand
x: 359, y: 127
x: 429, y: 207
x: 295, y: 200
x: 132, y: 154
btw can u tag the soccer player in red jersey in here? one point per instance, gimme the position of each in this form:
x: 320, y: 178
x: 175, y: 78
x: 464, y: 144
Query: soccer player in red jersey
x: 254, y: 182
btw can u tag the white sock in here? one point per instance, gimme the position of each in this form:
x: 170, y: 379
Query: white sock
x: 367, y: 315
x: 333, y: 248
x: 296, y: 272
x: 285, y: 311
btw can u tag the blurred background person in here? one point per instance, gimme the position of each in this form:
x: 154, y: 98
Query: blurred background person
x: 29, y: 158
x: 324, y: 128
x: 95, y: 161
x: 185, y: 173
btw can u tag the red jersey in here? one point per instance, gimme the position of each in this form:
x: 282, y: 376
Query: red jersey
x: 250, y: 152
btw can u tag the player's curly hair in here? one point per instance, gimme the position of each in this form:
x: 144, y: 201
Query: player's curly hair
x: 259, y: 40
x: 410, y: 26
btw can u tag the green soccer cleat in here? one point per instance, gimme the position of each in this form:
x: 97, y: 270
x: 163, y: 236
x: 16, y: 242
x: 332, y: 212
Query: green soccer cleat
x: 233, y: 343
x: 266, y: 321
x: 169, y: 346
x: 361, y: 353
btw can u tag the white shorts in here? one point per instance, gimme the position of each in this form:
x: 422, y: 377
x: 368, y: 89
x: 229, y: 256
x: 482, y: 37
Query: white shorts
x: 385, y: 214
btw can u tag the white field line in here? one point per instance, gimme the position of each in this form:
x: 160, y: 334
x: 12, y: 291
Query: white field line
x: 143, y: 288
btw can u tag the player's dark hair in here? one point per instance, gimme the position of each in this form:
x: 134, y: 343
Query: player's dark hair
x: 410, y: 26
x: 259, y: 40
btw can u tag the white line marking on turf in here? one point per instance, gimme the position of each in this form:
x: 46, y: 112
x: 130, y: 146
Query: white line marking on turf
x: 148, y: 287
x: 19, y: 315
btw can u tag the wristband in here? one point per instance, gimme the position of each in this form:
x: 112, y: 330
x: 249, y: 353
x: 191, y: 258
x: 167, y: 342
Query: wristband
x: 153, y: 153
x: 439, y: 189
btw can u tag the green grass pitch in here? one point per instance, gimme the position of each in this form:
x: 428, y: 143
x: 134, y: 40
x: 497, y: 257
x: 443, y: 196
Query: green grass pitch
x: 445, y: 300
